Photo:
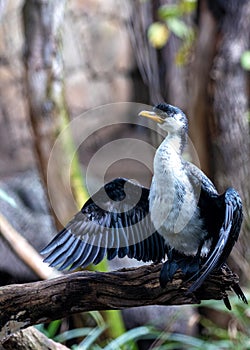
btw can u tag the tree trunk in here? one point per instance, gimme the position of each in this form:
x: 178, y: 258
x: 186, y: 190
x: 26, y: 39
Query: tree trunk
x: 230, y: 125
x: 198, y: 102
x: 44, y: 73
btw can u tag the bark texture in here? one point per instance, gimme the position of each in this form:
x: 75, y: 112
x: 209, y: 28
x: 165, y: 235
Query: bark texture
x: 31, y: 339
x: 230, y: 125
x: 198, y: 102
x: 32, y: 303
x: 44, y: 75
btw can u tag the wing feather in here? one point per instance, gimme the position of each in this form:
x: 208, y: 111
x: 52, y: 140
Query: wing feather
x: 70, y: 259
x: 228, y: 235
x: 113, y: 223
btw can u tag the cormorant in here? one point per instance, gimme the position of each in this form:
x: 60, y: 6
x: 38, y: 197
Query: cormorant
x: 181, y: 216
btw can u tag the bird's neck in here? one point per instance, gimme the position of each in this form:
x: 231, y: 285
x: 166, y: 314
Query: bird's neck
x: 169, y: 153
x: 168, y: 182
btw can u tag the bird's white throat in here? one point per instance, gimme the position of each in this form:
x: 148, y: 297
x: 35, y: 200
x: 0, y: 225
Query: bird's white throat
x: 172, y: 201
x: 168, y: 164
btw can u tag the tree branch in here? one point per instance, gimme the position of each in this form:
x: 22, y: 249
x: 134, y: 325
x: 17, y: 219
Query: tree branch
x: 32, y: 303
x: 19, y: 245
x: 31, y: 339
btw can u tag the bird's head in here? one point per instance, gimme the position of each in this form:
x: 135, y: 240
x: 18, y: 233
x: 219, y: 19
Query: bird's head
x: 169, y: 118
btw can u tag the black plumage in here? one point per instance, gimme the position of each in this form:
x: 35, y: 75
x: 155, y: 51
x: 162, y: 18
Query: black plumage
x: 126, y: 219
x: 109, y: 224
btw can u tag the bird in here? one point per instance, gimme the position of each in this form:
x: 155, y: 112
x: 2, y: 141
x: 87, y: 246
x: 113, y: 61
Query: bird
x: 181, y: 221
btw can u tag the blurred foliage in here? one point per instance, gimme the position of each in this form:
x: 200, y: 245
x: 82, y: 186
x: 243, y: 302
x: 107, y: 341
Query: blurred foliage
x: 235, y: 337
x: 245, y: 60
x: 237, y: 334
x: 173, y: 20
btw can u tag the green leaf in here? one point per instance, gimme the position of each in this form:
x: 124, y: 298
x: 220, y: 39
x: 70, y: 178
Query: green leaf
x: 183, y: 55
x: 91, y: 338
x: 114, y: 321
x: 169, y: 11
x: 73, y: 333
x: 179, y: 28
x: 133, y: 334
x: 245, y: 60
x: 97, y: 316
x: 248, y: 116
x: 188, y: 6
x: 41, y: 328
x: 185, y: 7
x: 53, y: 328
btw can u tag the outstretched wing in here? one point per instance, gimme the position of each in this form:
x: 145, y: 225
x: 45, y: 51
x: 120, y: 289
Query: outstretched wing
x: 230, y: 205
x: 114, y: 222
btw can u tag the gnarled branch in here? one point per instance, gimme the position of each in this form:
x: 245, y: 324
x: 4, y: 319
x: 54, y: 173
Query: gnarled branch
x: 27, y: 304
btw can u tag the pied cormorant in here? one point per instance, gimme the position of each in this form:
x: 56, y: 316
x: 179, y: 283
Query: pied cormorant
x: 181, y: 216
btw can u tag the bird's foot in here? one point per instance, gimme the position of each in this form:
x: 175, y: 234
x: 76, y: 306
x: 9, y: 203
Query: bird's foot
x: 168, y: 270
x: 191, y: 267
x: 188, y: 265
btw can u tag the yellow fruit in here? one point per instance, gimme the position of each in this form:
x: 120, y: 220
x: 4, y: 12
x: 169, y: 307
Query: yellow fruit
x: 158, y: 34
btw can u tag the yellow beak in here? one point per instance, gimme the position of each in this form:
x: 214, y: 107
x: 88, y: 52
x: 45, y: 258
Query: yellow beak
x: 151, y: 115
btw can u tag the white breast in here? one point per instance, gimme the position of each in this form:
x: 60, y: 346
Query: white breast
x: 173, y: 204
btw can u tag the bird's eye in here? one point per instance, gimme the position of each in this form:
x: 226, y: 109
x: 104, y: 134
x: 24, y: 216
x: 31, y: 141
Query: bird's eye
x: 163, y: 114
x: 160, y: 113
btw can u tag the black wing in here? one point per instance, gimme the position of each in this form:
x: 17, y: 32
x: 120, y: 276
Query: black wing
x: 114, y: 222
x: 224, y: 215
